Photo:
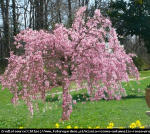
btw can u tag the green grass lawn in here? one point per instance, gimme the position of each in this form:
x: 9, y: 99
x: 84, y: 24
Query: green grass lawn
x: 144, y: 73
x: 97, y: 113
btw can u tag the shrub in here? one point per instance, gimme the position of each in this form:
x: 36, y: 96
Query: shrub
x: 138, y: 63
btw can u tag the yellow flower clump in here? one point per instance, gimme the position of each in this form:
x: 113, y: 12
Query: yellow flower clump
x: 111, y: 125
x: 57, y: 125
x: 68, y: 127
x: 133, y: 125
x: 136, y: 124
x: 89, y: 127
x: 20, y: 127
x: 76, y: 127
x: 97, y: 127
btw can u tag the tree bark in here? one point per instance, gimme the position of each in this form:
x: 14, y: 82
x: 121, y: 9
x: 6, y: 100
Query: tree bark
x: 58, y: 20
x: 25, y: 14
x: 86, y: 12
x: 82, y: 2
x: 86, y: 2
x: 15, y: 24
x: 46, y: 15
x: 96, y: 2
x: 30, y: 16
x: 67, y: 103
x: 39, y: 16
x: 70, y: 13
x: 79, y: 3
x: 5, y: 16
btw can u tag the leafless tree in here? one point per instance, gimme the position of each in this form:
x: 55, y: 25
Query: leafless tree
x: 5, y: 15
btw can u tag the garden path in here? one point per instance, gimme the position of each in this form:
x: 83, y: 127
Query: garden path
x: 74, y: 89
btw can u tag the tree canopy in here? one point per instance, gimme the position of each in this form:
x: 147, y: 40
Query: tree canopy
x: 132, y: 18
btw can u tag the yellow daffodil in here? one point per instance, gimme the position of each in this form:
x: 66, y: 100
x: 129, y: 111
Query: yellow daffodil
x: 68, y: 127
x: 133, y: 125
x: 57, y: 125
x: 138, y: 123
x: 109, y: 127
x: 21, y: 127
x: 111, y: 124
x: 97, y: 127
x: 76, y: 127
x: 142, y: 127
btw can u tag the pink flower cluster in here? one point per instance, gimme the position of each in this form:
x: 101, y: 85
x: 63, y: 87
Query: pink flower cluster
x: 89, y: 52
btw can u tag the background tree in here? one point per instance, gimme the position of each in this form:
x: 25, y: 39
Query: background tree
x: 15, y: 21
x: 132, y: 18
x: 70, y: 13
x: 5, y: 15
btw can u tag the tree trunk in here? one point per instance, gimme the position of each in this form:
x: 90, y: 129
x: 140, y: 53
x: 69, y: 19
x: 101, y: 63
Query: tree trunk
x: 82, y: 2
x: 7, y: 32
x: 46, y: 15
x: 79, y: 3
x: 36, y: 6
x: 147, y: 96
x: 86, y: 2
x: 5, y: 16
x: 39, y: 21
x: 14, y: 17
x: 30, y: 16
x: 86, y: 12
x: 70, y: 13
x: 96, y: 2
x: 25, y: 17
x: 67, y: 103
x: 58, y: 11
x: 41, y: 15
x: 33, y: 17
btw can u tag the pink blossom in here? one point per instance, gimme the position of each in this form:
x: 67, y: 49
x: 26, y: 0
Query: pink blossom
x: 97, y: 12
